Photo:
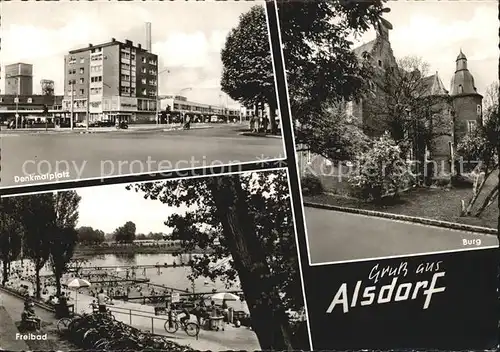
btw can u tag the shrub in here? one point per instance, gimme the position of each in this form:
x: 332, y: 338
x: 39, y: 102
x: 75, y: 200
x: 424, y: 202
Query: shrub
x: 462, y: 181
x: 311, y: 185
x: 441, y: 181
x: 381, y: 171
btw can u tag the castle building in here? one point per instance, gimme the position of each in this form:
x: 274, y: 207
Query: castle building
x: 459, y: 109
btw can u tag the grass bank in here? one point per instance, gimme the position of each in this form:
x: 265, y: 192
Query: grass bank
x: 432, y: 203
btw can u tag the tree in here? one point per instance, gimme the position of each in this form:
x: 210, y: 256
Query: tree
x: 481, y: 146
x: 39, y: 221
x: 334, y: 136
x: 11, y: 232
x: 246, y: 218
x: 403, y: 104
x: 321, y: 67
x: 88, y: 235
x: 380, y: 171
x: 125, y: 233
x: 247, y: 74
x: 64, y: 235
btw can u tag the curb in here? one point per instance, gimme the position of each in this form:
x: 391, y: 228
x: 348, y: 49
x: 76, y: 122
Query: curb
x: 192, y: 128
x: 249, y: 134
x: 407, y: 218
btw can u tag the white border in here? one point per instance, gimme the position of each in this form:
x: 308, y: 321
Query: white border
x: 301, y: 200
x: 256, y: 161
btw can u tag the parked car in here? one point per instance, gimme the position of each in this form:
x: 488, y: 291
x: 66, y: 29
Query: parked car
x: 105, y: 124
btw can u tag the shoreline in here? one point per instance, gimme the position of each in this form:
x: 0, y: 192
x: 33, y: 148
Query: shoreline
x: 84, y: 251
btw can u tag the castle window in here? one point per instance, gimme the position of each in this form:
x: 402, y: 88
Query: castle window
x: 471, y: 125
x: 380, y: 63
x: 460, y: 89
x: 479, y: 110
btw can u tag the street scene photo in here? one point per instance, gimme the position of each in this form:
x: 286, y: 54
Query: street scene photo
x: 395, y: 112
x: 207, y: 264
x: 110, y: 89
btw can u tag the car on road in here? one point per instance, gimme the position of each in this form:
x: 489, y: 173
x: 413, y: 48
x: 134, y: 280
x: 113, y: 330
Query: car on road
x: 105, y: 124
x: 81, y: 124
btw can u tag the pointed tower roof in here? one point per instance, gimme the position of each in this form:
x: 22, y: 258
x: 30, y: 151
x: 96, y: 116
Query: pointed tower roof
x: 462, y: 81
x: 461, y: 56
x: 437, y: 87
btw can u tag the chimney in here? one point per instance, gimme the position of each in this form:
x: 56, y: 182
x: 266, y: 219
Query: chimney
x: 90, y: 45
x: 139, y: 45
x: 113, y: 39
x: 148, y: 36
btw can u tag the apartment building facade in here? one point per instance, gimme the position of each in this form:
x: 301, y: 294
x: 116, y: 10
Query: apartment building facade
x: 114, y: 81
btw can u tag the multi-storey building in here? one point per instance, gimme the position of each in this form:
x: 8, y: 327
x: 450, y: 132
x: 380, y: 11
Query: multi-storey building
x: 19, y: 79
x: 179, y: 105
x: 118, y: 79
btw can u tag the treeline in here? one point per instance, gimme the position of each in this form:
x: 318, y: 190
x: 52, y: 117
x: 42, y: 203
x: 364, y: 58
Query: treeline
x: 41, y: 228
x: 87, y: 235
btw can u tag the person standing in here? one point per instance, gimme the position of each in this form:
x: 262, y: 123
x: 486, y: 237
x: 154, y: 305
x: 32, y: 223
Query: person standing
x: 101, y: 301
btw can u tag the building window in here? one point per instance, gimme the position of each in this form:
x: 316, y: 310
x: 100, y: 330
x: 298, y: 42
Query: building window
x: 30, y: 100
x: 460, y: 89
x: 132, y: 57
x: 16, y: 100
x: 152, y: 72
x: 72, y: 60
x: 143, y: 60
x: 144, y: 92
x: 143, y: 70
x: 132, y: 90
x: 471, y: 125
x: 82, y: 60
x: 96, y: 79
x: 143, y: 81
x: 82, y: 70
x: 152, y: 82
x: 81, y: 80
x: 82, y: 92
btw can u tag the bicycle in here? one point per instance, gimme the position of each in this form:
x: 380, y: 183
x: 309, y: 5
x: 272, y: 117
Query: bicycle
x: 192, y: 329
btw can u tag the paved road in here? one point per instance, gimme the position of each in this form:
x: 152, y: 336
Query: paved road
x: 127, y: 152
x: 336, y: 236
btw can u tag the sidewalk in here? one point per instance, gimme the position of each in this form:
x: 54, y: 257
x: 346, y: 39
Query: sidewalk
x: 8, y: 331
x: 230, y: 339
x: 82, y: 130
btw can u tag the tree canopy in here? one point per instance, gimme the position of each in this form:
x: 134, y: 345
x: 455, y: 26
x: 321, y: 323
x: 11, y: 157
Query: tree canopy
x: 125, y: 233
x: 247, y: 74
x: 248, y: 219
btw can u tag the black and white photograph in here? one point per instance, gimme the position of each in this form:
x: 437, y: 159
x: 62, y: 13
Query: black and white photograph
x: 396, y: 125
x: 92, y: 90
x: 206, y: 263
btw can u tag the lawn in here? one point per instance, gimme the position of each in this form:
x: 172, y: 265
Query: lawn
x: 433, y: 203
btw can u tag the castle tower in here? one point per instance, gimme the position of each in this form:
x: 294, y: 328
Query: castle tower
x: 467, y: 102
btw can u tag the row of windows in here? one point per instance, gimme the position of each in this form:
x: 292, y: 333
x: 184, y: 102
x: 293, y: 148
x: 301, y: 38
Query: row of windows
x: 96, y: 79
x: 97, y: 90
x: 128, y: 56
x: 72, y: 60
x: 96, y: 57
x: 97, y: 68
x: 96, y: 50
x: 16, y: 100
x: 151, y: 82
x: 128, y: 90
x: 151, y: 61
x: 72, y: 71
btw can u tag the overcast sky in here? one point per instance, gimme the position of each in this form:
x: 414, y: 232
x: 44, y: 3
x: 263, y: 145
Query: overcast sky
x: 436, y: 31
x: 108, y: 207
x: 187, y: 36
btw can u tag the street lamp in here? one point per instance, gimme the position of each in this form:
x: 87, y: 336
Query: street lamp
x: 157, y: 117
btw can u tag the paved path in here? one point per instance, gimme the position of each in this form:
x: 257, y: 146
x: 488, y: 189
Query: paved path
x: 337, y: 236
x: 230, y: 339
x: 128, y: 152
